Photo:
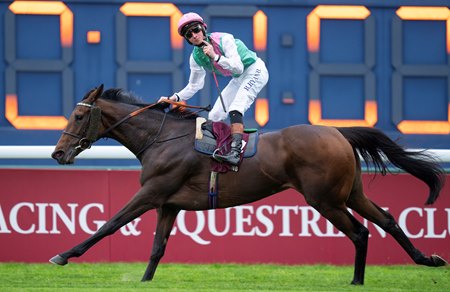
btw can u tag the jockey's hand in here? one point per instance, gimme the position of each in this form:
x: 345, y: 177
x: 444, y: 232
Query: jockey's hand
x: 163, y: 98
x: 209, y: 50
x: 172, y: 98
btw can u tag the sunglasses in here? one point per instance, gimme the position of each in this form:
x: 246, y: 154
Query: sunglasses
x: 195, y: 29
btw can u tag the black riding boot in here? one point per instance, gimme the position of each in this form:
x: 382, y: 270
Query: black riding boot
x: 234, y: 156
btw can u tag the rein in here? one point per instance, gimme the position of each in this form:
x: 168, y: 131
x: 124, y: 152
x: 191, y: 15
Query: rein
x: 147, y: 145
x: 136, y: 112
x: 95, y: 118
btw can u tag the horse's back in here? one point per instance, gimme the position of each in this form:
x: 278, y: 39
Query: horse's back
x: 311, y: 142
x: 308, y: 157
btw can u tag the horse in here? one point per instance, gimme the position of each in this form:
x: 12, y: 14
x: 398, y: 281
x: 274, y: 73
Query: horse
x: 322, y: 163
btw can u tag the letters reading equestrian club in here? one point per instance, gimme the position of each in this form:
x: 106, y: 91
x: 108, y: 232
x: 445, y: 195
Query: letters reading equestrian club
x: 203, y: 227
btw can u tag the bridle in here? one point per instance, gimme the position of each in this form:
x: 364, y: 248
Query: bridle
x: 90, y: 136
x: 86, y: 139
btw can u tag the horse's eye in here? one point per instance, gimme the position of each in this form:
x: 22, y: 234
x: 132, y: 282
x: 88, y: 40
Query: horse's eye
x: 78, y: 117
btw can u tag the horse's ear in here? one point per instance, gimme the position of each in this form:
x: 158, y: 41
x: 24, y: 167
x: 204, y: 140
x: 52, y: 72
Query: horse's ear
x: 98, y: 92
x: 94, y: 94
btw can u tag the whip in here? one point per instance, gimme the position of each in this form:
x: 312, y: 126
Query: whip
x: 220, y: 92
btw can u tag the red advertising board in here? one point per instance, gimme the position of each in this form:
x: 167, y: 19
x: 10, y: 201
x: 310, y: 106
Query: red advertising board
x: 44, y: 212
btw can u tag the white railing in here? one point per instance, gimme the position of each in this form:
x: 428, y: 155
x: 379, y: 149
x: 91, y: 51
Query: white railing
x: 45, y: 152
x: 120, y: 152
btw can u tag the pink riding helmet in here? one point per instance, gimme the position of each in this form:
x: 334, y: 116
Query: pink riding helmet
x: 187, y: 19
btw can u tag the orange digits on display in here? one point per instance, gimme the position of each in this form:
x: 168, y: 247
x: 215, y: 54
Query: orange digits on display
x: 313, y: 43
x: 260, y: 44
x: 158, y: 9
x: 66, y: 36
x: 262, y: 111
x: 313, y: 31
x: 49, y: 8
x: 433, y: 14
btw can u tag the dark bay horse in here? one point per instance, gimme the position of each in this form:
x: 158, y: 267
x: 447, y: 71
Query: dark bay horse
x: 320, y: 162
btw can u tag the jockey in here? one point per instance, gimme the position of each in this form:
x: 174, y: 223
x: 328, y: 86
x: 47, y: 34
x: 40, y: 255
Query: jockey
x: 221, y: 53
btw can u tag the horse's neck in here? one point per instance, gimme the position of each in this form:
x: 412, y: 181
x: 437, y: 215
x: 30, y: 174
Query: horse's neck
x: 123, y: 133
x: 136, y: 132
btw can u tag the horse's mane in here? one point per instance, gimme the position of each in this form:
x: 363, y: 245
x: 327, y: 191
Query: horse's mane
x: 122, y: 96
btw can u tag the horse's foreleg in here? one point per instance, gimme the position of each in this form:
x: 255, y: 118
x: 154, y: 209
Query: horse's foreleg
x: 166, y: 218
x: 134, y: 208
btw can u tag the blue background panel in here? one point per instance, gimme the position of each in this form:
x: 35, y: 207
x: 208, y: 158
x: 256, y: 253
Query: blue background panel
x: 93, y: 64
x: 37, y: 37
x: 342, y: 97
x: 424, y: 42
x: 147, y: 38
x: 341, y: 41
x: 240, y: 27
x: 39, y: 94
x: 150, y: 87
x: 288, y: 66
x: 425, y: 98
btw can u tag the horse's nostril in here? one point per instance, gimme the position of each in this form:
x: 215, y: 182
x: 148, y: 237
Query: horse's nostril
x: 57, y: 154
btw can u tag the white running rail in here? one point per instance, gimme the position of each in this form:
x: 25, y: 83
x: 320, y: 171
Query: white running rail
x: 120, y: 152
x: 45, y: 152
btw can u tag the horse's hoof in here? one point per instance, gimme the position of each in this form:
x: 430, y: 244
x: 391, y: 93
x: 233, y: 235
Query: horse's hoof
x: 438, y: 261
x: 58, y: 260
x: 357, y: 283
x: 146, y: 279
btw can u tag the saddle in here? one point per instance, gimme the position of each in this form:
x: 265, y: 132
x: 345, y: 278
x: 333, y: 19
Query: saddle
x: 211, y: 137
x: 215, y: 137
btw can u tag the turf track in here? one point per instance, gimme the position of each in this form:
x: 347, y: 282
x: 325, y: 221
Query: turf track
x: 218, y: 277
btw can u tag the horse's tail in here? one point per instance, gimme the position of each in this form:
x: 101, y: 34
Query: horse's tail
x: 372, y: 144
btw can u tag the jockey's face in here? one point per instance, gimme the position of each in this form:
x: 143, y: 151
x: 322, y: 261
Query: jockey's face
x: 195, y: 35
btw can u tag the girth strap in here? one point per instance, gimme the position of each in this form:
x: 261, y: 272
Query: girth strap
x: 213, y: 190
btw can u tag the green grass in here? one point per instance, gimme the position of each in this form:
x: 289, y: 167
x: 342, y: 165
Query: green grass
x: 218, y: 277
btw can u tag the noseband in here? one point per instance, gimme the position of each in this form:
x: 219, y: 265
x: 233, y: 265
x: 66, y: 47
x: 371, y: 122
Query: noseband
x: 86, y: 139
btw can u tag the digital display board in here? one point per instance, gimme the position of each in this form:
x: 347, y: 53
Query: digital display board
x: 371, y: 65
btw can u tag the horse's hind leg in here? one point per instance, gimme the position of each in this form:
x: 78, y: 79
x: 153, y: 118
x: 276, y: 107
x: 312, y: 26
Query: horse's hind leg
x: 136, y: 207
x: 369, y: 210
x: 358, y: 234
x: 166, y: 218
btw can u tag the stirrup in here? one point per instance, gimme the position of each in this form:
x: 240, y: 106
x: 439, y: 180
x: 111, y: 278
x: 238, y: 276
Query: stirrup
x: 229, y: 160
x: 214, y: 155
